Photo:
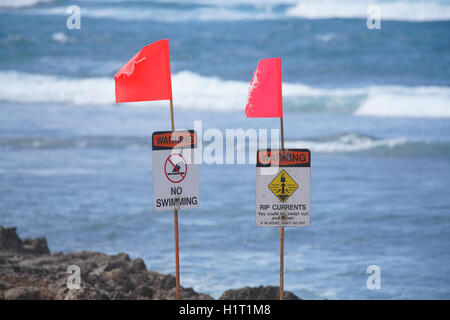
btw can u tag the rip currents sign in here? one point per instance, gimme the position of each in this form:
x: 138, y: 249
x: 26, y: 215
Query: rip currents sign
x: 175, y: 175
x: 283, y: 188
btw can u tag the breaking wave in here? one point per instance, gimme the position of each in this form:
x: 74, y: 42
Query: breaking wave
x: 202, y: 13
x: 176, y: 11
x: 339, y: 143
x: 346, y: 143
x: 389, y: 10
x: 21, y: 3
x: 194, y: 91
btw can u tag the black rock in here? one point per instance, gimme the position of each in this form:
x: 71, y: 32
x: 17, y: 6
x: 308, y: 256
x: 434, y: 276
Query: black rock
x: 257, y: 293
x: 10, y: 242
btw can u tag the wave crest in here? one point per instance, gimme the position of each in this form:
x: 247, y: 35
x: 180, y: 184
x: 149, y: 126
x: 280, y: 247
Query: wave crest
x: 349, y: 142
x: 253, y: 10
x: 16, y: 4
x: 339, y: 143
x: 399, y: 10
x: 194, y: 91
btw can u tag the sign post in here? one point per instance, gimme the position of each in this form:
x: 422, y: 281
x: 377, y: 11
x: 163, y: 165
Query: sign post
x: 281, y: 227
x: 175, y: 178
x: 175, y: 222
x: 283, y: 192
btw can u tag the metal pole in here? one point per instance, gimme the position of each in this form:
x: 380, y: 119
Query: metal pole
x: 172, y: 122
x: 177, y: 257
x: 175, y: 220
x: 281, y: 228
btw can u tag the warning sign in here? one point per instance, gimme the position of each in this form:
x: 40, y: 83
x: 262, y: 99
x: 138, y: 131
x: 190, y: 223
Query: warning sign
x: 175, y: 175
x: 283, y: 179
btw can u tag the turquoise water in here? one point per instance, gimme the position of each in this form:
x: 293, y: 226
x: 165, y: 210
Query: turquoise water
x: 373, y: 106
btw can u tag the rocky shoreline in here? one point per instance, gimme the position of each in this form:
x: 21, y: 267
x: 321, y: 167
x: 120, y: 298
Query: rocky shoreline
x: 29, y: 271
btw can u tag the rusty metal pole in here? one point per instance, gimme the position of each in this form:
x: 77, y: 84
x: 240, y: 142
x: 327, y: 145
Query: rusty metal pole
x: 175, y: 221
x: 281, y: 228
x: 177, y: 257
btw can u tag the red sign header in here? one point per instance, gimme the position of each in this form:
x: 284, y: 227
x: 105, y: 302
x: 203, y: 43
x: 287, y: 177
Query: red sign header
x: 284, y: 158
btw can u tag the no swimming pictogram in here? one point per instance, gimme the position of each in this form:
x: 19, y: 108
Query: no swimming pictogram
x: 175, y: 168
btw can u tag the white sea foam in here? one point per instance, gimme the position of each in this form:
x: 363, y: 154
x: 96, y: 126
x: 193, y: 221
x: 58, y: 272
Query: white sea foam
x: 389, y: 10
x: 194, y: 91
x: 21, y: 3
x: 343, y: 143
x: 60, y: 37
x: 38, y: 88
x: 340, y: 143
x: 165, y: 15
x: 327, y: 37
x: 396, y: 101
x: 260, y: 10
x: 346, y: 143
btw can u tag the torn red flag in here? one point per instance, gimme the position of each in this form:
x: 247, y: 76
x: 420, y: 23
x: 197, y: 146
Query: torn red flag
x: 146, y: 76
x: 264, y: 93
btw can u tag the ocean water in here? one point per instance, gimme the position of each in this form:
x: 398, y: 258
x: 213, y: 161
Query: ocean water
x: 373, y: 106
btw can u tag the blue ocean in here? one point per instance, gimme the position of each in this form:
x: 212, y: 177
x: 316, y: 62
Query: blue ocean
x: 372, y: 105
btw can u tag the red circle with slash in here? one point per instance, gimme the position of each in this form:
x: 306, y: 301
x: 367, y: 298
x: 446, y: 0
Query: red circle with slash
x: 175, y: 168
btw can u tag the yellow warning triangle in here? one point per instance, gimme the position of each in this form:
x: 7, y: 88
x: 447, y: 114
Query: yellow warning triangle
x: 283, y: 186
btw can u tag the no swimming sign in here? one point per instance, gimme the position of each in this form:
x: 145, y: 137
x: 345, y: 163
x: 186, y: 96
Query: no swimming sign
x: 175, y: 176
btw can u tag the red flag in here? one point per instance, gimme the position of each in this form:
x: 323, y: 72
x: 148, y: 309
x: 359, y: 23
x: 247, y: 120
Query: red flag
x: 264, y: 94
x: 146, y: 76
